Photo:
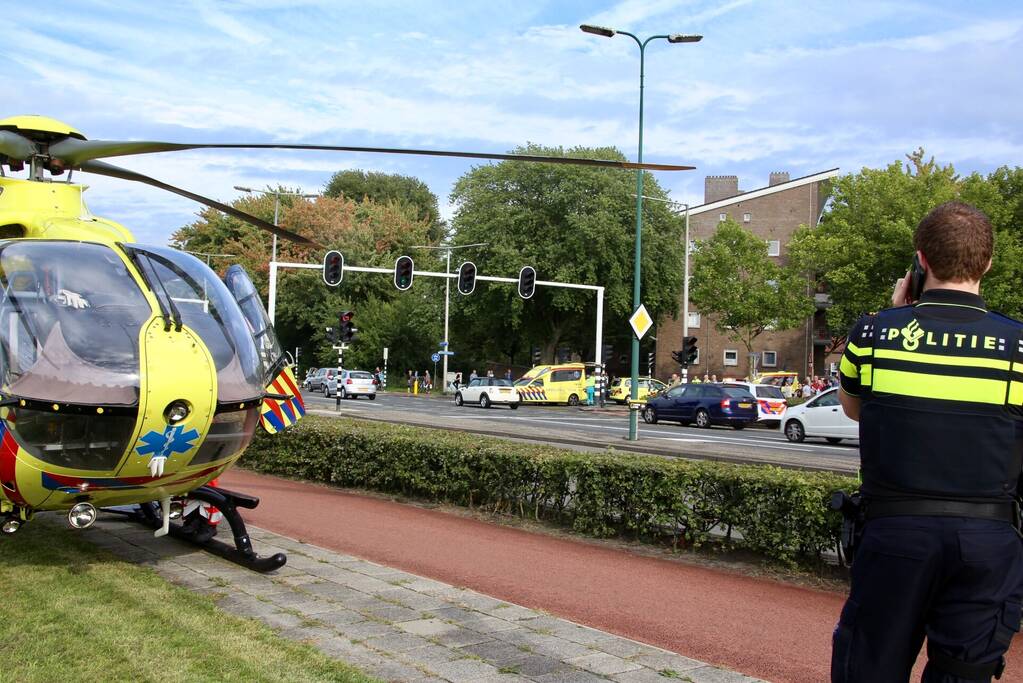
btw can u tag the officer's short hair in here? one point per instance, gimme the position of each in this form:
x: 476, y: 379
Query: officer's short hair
x: 957, y: 240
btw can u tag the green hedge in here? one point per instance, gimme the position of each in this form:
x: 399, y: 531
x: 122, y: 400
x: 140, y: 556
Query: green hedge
x: 779, y: 514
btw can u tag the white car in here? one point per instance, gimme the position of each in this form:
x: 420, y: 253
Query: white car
x: 352, y: 384
x: 822, y: 416
x: 486, y: 391
x: 771, y: 403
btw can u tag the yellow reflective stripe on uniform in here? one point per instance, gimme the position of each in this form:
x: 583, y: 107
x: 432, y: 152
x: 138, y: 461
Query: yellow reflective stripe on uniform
x: 1017, y: 367
x: 847, y: 368
x: 1015, y: 393
x: 935, y: 359
x: 858, y: 350
x: 944, y: 387
x: 866, y: 374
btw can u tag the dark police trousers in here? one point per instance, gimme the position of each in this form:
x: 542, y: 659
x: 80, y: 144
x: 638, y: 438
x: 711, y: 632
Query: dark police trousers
x: 957, y: 581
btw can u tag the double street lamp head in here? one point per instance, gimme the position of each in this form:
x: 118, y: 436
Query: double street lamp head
x: 610, y: 32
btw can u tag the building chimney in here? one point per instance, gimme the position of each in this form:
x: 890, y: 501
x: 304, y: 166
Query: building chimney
x: 778, y: 177
x: 717, y: 187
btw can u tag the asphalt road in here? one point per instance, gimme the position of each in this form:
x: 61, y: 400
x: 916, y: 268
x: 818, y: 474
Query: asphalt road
x: 590, y: 428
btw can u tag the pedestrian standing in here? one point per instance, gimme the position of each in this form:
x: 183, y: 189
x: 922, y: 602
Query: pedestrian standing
x: 490, y: 373
x: 427, y: 381
x: 807, y: 390
x: 472, y: 375
x: 409, y: 381
x: 940, y: 448
x: 508, y: 374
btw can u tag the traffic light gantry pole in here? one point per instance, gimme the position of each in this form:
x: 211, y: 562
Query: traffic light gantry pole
x: 275, y: 265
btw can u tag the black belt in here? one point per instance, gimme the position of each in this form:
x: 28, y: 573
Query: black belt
x: 1002, y: 512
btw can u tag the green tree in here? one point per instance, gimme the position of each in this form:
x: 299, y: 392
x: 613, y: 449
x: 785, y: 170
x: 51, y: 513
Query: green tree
x: 747, y: 293
x: 864, y: 242
x: 389, y: 187
x: 573, y: 224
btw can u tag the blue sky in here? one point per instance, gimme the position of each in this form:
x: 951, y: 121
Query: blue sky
x: 775, y: 85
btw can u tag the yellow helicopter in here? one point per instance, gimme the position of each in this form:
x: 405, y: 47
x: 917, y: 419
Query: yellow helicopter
x: 132, y: 375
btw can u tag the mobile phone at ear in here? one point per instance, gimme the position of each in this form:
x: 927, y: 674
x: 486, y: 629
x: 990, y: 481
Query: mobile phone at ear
x: 917, y: 277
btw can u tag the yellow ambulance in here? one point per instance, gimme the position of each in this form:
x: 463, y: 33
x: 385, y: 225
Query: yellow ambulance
x: 563, y: 383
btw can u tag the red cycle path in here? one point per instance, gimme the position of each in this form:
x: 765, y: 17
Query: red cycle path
x: 763, y: 628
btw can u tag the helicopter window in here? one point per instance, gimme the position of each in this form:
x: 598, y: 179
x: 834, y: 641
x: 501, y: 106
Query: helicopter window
x: 70, y: 318
x: 79, y: 442
x: 244, y: 292
x: 206, y: 306
x: 230, y: 433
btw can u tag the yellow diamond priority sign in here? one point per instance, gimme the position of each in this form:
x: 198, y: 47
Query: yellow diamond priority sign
x: 641, y: 321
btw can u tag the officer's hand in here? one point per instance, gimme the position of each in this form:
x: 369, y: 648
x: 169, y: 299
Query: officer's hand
x: 900, y: 297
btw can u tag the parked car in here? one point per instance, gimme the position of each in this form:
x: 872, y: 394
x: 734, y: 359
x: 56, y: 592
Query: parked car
x: 821, y: 416
x: 308, y: 377
x: 351, y: 384
x: 704, y: 404
x: 771, y: 403
x: 487, y: 391
x: 621, y: 388
x: 318, y: 380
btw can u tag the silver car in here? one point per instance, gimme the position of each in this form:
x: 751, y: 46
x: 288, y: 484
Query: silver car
x: 352, y: 384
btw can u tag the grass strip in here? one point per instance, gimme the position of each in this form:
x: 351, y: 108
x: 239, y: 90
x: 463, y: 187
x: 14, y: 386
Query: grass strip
x: 72, y: 611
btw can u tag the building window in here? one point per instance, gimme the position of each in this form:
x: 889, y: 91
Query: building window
x: 747, y: 217
x: 770, y: 359
x: 731, y: 357
x: 722, y: 216
x: 773, y: 247
x: 694, y: 319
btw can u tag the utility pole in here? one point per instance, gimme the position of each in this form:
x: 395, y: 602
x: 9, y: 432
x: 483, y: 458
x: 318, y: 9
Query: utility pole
x: 272, y: 293
x: 446, y: 351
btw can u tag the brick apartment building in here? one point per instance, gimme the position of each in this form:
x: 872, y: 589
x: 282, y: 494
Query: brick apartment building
x: 773, y: 213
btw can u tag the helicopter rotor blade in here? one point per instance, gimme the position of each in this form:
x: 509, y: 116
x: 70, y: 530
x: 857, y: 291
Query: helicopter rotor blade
x: 15, y: 146
x: 74, y: 152
x: 105, y: 169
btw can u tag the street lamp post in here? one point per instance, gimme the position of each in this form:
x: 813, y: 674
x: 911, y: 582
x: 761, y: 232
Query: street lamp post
x: 272, y: 293
x: 672, y: 38
x: 447, y: 294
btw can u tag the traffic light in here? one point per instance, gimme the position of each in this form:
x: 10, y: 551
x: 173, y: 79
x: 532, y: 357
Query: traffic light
x: 536, y: 355
x: 687, y: 355
x: 403, y: 271
x: 346, y: 328
x: 467, y: 277
x: 527, y: 281
x: 689, y: 350
x: 333, y: 268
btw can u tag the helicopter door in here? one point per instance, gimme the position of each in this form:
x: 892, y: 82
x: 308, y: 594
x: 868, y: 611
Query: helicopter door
x: 276, y: 413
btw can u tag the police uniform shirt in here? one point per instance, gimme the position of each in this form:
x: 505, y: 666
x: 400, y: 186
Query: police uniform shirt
x: 941, y: 385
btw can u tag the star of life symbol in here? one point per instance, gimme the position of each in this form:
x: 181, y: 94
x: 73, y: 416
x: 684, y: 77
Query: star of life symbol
x: 162, y: 445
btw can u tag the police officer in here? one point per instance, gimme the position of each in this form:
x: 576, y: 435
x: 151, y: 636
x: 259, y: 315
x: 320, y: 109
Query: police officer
x: 937, y: 387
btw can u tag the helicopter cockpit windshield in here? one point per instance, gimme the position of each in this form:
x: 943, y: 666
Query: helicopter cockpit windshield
x: 270, y: 352
x: 70, y: 316
x: 196, y: 296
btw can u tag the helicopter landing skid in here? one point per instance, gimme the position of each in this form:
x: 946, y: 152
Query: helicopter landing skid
x: 228, y: 503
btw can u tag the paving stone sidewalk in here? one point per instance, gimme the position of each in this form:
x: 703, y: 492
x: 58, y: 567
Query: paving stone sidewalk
x: 402, y: 627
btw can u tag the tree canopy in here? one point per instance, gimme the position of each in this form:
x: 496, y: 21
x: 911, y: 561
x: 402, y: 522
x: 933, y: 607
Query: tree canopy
x: 864, y: 242
x: 574, y: 224
x: 743, y: 288
x: 383, y: 188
